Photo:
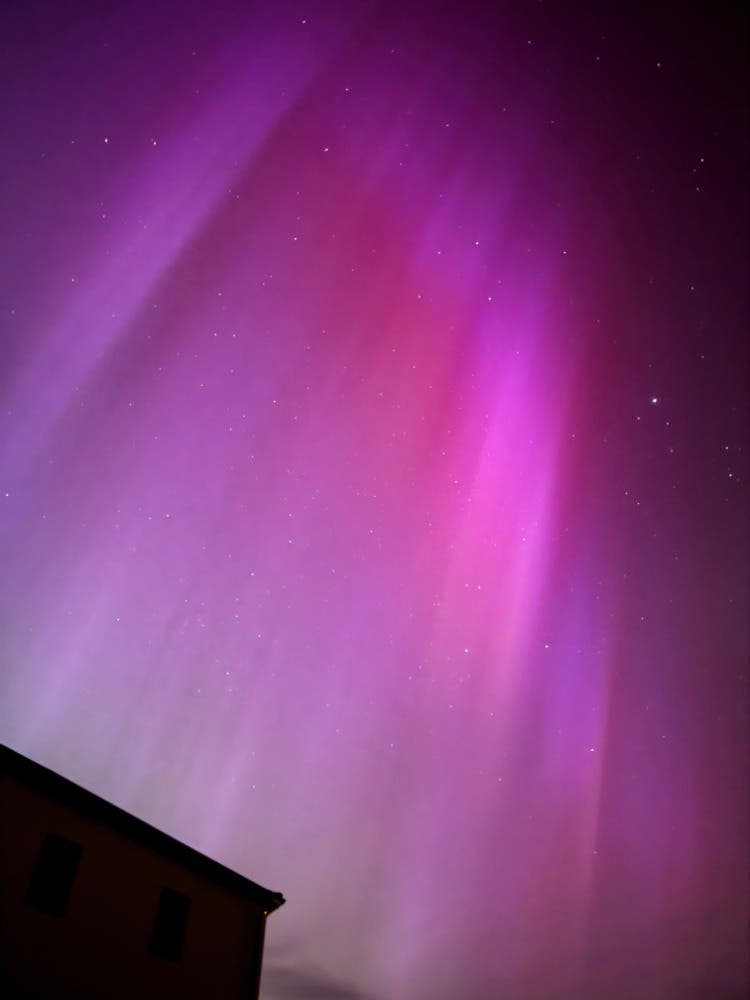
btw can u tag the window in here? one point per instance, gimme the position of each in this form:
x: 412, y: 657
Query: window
x: 170, y: 924
x: 54, y: 874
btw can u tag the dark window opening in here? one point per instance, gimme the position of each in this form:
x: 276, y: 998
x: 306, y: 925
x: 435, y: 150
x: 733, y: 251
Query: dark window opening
x: 170, y: 924
x: 54, y: 874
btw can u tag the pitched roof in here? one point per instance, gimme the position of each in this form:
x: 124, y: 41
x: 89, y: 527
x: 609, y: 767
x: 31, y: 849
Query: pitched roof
x: 54, y: 786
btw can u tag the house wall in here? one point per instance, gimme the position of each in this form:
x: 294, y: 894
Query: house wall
x: 100, y: 947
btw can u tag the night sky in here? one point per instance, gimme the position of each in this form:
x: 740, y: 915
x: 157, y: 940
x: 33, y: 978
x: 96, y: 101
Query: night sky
x: 374, y: 472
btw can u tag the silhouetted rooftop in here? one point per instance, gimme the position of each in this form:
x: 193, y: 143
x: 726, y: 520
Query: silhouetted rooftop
x: 54, y: 786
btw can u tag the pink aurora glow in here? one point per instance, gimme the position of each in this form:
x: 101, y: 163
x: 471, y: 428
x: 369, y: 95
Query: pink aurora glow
x: 367, y: 512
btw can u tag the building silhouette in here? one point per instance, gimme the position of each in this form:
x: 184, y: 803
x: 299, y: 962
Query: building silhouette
x: 96, y: 903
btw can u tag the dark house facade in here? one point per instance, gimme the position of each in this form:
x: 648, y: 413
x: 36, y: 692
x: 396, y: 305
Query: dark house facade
x: 96, y: 903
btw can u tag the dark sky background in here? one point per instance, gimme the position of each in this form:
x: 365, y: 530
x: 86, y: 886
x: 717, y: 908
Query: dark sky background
x: 374, y: 387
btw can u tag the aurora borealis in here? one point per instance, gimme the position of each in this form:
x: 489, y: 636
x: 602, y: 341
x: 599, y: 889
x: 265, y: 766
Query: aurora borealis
x: 374, y: 473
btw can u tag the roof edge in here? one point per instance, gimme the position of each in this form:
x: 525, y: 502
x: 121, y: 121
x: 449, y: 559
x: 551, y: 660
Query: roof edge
x: 43, y: 779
